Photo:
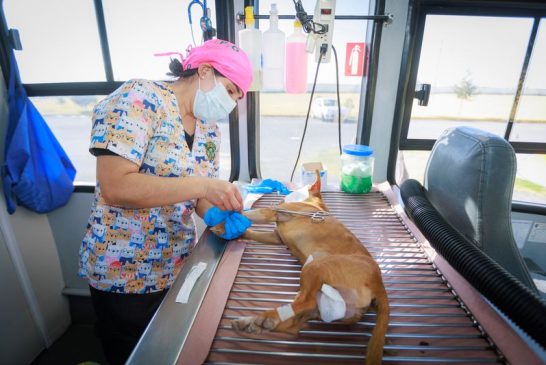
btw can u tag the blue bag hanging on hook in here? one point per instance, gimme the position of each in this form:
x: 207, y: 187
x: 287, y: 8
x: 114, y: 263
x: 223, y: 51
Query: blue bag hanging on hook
x: 36, y: 170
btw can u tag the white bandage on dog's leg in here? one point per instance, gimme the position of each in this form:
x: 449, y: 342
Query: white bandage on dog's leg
x: 331, y: 304
x: 285, y: 312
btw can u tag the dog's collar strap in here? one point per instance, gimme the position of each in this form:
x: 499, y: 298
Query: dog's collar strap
x: 316, y: 217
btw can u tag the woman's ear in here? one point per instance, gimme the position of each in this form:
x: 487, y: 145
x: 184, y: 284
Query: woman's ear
x: 203, y: 70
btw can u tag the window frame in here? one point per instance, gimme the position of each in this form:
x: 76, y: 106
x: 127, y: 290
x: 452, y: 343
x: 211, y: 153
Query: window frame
x: 418, y: 11
x: 364, y: 122
x: 225, y: 30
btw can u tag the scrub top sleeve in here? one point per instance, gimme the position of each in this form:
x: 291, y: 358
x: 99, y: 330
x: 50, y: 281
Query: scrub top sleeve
x: 123, y: 123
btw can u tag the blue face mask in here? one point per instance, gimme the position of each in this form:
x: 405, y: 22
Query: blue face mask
x: 213, y: 105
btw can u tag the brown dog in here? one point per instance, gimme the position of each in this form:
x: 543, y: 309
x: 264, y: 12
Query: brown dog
x: 338, y: 259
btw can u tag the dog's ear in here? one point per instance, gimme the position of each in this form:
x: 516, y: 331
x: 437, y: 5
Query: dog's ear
x: 314, y: 189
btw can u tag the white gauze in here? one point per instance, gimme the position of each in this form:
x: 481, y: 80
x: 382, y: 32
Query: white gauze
x: 298, y: 195
x: 331, y: 304
x: 285, y: 312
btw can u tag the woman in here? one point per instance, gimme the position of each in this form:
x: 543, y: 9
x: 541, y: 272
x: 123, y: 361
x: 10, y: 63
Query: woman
x: 157, y: 148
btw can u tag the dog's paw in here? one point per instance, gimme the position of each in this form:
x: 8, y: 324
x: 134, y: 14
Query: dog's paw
x: 218, y: 229
x: 270, y: 323
x: 246, y: 325
x: 254, y: 325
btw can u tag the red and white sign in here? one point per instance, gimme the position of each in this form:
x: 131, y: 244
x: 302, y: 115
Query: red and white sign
x: 354, y: 59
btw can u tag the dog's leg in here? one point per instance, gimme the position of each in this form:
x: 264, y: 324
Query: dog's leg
x: 263, y: 237
x: 294, y: 315
x: 262, y: 215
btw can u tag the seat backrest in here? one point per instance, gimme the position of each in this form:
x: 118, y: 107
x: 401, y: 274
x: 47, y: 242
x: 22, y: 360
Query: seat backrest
x: 469, y: 179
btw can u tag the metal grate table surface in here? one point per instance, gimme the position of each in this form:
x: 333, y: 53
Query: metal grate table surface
x: 429, y: 323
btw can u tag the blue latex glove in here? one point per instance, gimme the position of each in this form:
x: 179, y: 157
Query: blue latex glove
x: 235, y: 225
x: 215, y: 216
x: 268, y: 186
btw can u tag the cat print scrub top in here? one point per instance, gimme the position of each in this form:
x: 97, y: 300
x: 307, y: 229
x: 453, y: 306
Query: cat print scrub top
x: 143, y: 250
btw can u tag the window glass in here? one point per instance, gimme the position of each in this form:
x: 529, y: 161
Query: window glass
x: 530, y: 184
x: 344, y: 7
x: 137, y: 29
x: 474, y: 83
x: 530, y: 122
x: 473, y: 65
x: 69, y: 118
x: 411, y: 165
x: 282, y: 115
x: 59, y: 38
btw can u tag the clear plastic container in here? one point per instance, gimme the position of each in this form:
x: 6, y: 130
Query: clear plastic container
x: 273, y: 41
x: 250, y: 40
x: 356, y: 169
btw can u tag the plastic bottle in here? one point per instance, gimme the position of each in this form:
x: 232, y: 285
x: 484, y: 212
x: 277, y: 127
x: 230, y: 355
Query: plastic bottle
x: 250, y: 40
x: 356, y: 169
x: 296, y: 61
x: 273, y: 53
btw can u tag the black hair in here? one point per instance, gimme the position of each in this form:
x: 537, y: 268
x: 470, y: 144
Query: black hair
x: 177, y: 70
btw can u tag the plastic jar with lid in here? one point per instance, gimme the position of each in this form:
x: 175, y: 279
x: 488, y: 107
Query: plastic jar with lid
x: 356, y: 169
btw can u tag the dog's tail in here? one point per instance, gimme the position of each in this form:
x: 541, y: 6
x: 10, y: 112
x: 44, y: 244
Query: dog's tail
x: 377, y: 341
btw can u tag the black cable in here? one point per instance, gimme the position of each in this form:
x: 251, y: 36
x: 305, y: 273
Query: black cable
x: 322, y: 51
x: 338, y: 100
x: 307, y: 23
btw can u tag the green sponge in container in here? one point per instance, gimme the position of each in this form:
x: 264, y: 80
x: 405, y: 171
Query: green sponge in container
x: 357, y: 169
x: 356, y: 184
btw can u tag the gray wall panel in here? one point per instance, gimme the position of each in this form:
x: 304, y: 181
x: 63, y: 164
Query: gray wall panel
x: 68, y: 227
x: 21, y: 340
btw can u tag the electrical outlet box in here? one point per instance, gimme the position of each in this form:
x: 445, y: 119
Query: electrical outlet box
x: 324, y: 14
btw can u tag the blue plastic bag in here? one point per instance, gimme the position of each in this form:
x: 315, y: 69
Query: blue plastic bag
x: 36, y: 170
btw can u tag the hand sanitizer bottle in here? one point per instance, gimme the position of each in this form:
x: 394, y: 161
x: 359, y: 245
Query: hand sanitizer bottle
x: 296, y: 61
x: 273, y: 53
x: 250, y: 40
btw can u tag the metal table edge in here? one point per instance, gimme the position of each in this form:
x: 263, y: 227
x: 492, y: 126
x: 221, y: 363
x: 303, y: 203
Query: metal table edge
x: 167, y: 332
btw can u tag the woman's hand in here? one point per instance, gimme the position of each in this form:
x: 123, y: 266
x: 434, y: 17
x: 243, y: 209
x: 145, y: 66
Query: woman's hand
x: 223, y: 194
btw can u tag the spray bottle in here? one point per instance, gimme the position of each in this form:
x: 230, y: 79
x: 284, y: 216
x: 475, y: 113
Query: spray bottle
x: 296, y: 61
x: 250, y: 40
x: 273, y: 53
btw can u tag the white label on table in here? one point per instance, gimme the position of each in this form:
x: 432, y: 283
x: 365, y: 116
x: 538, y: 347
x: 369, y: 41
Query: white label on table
x: 189, y: 282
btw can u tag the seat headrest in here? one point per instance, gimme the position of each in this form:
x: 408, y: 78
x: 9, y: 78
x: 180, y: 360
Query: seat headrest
x: 469, y: 179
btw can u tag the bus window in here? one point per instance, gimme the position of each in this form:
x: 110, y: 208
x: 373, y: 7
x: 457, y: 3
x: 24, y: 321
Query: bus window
x: 61, y: 44
x: 530, y: 121
x: 282, y: 115
x: 531, y: 178
x: 150, y: 28
x: 59, y: 38
x: 475, y: 82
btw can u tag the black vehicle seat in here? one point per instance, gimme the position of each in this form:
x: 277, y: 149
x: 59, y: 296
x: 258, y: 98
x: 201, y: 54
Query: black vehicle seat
x: 469, y: 179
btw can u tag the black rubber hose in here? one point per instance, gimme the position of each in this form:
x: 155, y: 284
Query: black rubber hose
x: 515, y: 300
